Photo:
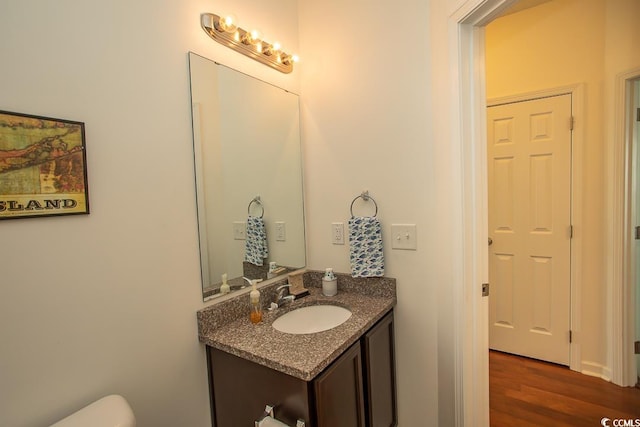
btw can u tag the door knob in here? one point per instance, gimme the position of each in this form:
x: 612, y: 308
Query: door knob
x: 490, y: 241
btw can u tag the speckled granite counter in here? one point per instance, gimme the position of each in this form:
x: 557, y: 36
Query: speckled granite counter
x: 226, y: 326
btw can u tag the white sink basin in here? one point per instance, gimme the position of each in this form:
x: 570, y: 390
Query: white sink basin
x: 312, y: 319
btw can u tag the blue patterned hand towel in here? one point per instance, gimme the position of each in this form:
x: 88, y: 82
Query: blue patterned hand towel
x: 365, y: 241
x: 256, y: 250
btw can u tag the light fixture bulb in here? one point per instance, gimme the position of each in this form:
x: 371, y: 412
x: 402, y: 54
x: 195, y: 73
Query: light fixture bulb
x: 256, y: 35
x: 272, y: 49
x: 288, y: 59
x: 228, y: 24
x: 251, y: 37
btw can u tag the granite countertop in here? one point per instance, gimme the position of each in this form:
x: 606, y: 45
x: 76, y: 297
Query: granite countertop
x: 303, y: 356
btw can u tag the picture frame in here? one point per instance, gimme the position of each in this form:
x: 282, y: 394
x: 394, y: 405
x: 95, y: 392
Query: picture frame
x: 43, y: 166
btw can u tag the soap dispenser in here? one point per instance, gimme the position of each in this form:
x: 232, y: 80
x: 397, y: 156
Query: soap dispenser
x: 329, y: 283
x: 224, y: 288
x: 254, y: 298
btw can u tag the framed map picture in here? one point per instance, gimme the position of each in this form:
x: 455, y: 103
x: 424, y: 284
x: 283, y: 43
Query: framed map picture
x: 43, y: 167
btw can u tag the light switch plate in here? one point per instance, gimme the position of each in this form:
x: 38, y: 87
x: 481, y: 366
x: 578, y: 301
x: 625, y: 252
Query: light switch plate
x: 404, y: 236
x: 239, y: 230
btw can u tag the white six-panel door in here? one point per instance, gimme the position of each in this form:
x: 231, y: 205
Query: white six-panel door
x: 529, y: 180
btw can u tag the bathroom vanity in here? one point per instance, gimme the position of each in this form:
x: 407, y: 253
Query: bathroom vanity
x: 344, y: 376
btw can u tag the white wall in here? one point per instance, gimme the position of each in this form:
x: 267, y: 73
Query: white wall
x: 105, y: 303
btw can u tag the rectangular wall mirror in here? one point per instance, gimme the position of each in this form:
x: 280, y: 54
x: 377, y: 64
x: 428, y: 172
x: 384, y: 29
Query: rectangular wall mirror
x: 246, y: 139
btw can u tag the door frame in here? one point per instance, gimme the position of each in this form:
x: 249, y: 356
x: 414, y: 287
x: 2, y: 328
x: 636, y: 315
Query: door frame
x: 620, y: 271
x: 577, y: 92
x: 467, y: 124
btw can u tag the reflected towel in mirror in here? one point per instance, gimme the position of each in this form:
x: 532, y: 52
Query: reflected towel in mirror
x: 365, y: 247
x: 256, y: 250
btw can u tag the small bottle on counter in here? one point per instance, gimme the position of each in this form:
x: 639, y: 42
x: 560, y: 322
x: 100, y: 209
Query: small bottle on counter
x: 329, y: 283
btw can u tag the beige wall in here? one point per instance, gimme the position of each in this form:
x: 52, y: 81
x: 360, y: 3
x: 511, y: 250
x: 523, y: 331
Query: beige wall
x: 566, y: 42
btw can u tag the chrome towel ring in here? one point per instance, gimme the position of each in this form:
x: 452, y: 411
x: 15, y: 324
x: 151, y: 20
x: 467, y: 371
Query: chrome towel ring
x: 366, y: 197
x: 259, y: 202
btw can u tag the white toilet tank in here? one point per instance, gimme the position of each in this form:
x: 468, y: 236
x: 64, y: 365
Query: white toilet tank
x: 110, y: 411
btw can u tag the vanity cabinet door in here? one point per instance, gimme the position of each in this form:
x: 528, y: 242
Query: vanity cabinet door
x: 339, y: 390
x: 380, y: 376
x: 240, y: 390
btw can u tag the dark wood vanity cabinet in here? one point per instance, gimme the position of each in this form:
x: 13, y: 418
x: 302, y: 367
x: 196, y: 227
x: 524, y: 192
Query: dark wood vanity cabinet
x: 358, y: 389
x: 339, y: 392
x: 380, y: 379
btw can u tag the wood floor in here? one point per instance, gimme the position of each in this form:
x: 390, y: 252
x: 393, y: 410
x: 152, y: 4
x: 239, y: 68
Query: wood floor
x: 526, y: 392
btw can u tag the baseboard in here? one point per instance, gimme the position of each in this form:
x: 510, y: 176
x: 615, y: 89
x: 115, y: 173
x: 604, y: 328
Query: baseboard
x: 597, y: 370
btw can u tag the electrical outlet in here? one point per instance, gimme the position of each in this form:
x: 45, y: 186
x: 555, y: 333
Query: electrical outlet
x: 337, y: 233
x: 281, y: 232
x: 239, y: 230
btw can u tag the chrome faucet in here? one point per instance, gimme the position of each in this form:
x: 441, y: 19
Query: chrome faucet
x: 282, y: 295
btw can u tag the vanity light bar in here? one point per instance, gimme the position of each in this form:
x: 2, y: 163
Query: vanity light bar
x: 248, y: 43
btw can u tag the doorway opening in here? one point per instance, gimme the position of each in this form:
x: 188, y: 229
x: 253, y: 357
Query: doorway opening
x: 624, y: 204
x: 518, y: 68
x: 625, y: 235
